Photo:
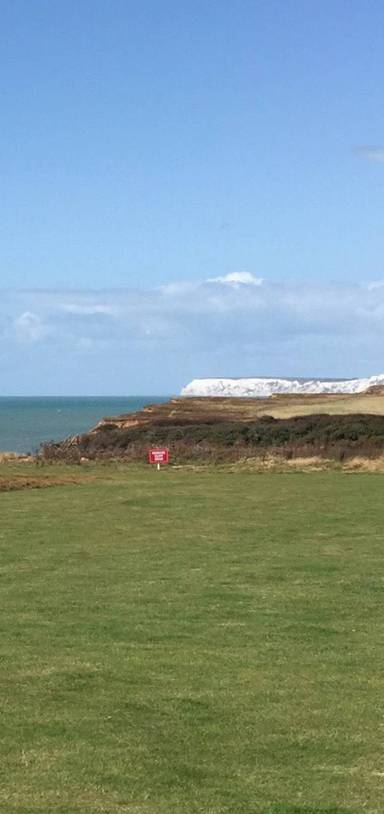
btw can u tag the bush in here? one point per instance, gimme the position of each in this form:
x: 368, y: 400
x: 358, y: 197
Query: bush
x: 329, y: 435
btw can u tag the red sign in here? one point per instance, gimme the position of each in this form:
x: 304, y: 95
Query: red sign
x: 158, y: 456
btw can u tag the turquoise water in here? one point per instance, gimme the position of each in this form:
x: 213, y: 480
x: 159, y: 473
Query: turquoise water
x: 26, y: 422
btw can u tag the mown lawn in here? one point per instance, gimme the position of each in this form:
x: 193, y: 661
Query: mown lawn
x: 183, y: 642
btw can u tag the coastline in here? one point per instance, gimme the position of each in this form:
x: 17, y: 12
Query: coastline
x: 28, y: 421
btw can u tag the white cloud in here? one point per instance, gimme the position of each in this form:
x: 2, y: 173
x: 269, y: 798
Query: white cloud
x: 375, y: 284
x: 372, y: 153
x: 193, y: 314
x: 84, y: 309
x: 29, y: 327
x: 237, y: 278
x: 188, y: 330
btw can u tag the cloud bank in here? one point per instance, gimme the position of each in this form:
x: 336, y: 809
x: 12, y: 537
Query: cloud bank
x: 154, y: 341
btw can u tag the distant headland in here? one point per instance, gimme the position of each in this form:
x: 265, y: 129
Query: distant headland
x: 262, y: 387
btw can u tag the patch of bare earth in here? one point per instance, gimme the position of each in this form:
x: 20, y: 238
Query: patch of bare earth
x: 16, y: 482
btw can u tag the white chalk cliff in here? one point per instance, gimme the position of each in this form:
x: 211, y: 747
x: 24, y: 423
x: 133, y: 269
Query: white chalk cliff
x: 263, y: 387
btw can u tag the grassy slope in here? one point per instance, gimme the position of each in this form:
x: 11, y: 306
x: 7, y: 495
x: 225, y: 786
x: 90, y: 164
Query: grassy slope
x: 281, y: 406
x: 193, y: 642
x: 344, y: 405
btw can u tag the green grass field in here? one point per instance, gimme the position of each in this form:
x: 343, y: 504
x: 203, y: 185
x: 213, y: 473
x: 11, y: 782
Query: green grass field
x: 184, y: 642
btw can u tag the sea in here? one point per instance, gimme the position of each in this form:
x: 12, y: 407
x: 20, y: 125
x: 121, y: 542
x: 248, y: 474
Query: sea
x: 26, y: 422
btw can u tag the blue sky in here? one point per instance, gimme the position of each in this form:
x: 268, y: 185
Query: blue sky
x: 149, y: 147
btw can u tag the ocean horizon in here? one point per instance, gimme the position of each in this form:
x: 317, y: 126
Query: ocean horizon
x: 28, y: 421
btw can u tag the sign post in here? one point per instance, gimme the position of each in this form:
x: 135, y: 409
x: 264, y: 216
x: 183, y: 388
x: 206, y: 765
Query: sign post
x: 158, y: 456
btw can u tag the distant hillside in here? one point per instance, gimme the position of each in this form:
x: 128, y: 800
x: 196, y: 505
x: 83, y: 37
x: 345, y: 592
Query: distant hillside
x: 228, y: 429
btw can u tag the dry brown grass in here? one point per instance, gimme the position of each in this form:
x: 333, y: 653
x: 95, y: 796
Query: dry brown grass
x: 284, y: 406
x: 15, y: 475
x: 15, y: 483
x: 361, y: 464
x: 314, y: 463
x: 332, y: 405
x: 13, y: 457
x: 276, y: 463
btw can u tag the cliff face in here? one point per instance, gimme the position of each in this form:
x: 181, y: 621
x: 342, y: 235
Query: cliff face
x: 264, y: 387
x: 228, y: 429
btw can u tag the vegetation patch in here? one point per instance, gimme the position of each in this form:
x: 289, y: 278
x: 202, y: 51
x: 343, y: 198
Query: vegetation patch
x: 330, y: 436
